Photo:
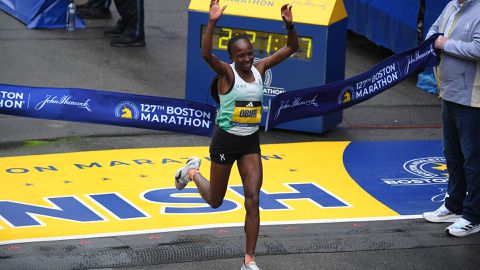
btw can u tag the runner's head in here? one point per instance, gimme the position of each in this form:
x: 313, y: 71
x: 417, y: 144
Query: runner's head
x: 240, y: 50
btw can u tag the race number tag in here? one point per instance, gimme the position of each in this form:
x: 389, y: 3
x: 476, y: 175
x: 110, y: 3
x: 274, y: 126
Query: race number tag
x: 247, y: 113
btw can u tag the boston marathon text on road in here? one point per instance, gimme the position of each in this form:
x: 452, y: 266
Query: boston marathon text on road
x: 92, y: 164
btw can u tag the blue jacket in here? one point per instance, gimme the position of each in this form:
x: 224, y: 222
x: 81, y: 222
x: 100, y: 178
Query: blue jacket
x: 459, y: 69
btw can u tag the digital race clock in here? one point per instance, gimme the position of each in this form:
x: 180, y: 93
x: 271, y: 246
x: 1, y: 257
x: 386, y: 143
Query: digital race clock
x: 264, y: 43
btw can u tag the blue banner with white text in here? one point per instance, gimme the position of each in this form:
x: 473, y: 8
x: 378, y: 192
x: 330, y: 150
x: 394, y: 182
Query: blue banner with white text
x: 101, y: 107
x: 320, y: 100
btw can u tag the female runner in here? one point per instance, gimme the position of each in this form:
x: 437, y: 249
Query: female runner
x: 240, y: 90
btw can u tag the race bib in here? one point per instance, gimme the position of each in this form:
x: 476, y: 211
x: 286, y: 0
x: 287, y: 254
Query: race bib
x: 247, y: 113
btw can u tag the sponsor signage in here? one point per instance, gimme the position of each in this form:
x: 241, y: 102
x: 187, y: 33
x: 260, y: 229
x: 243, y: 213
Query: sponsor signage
x: 111, y: 108
x: 321, y: 100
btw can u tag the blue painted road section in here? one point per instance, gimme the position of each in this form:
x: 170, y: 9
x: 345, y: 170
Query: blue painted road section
x: 410, y: 177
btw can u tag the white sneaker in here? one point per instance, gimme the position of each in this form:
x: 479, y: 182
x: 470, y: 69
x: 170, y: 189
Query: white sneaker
x: 181, y: 177
x: 462, y: 227
x: 250, y: 266
x: 442, y: 214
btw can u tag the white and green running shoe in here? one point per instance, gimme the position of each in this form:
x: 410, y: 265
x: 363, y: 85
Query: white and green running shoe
x: 250, y: 266
x: 181, y: 177
x: 442, y: 214
x: 461, y: 228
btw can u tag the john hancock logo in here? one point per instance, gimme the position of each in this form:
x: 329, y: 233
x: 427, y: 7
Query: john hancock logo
x: 346, y: 95
x: 127, y: 110
x: 65, y: 100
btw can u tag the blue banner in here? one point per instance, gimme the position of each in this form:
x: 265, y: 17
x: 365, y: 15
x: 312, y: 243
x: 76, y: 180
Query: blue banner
x: 101, y: 107
x: 384, y: 21
x: 320, y: 100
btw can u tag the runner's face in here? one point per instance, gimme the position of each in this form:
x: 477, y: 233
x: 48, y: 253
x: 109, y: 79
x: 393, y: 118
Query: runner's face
x: 242, y: 54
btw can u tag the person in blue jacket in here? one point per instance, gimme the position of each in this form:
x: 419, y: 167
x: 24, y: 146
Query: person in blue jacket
x: 458, y: 76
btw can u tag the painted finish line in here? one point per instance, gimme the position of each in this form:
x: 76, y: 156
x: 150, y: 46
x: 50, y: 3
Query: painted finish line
x: 119, y: 192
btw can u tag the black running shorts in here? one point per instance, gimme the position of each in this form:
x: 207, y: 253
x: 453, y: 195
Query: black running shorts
x: 225, y: 147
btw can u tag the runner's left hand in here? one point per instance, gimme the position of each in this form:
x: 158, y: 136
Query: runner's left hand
x: 287, y: 15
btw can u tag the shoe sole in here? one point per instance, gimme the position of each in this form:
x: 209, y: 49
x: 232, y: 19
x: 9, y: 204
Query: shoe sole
x: 179, y: 185
x: 184, y: 171
x: 443, y: 219
x: 461, y: 234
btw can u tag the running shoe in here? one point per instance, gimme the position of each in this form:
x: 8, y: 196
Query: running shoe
x: 181, y: 177
x: 461, y: 228
x: 442, y: 214
x: 250, y: 266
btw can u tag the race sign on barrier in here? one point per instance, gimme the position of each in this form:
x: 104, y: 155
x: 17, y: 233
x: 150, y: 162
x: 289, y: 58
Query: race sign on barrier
x: 101, y: 107
x: 320, y: 100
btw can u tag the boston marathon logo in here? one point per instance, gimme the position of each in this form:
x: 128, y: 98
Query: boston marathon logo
x: 11, y: 100
x: 430, y: 167
x: 429, y: 170
x: 268, y: 90
x: 346, y: 95
x: 126, y: 110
